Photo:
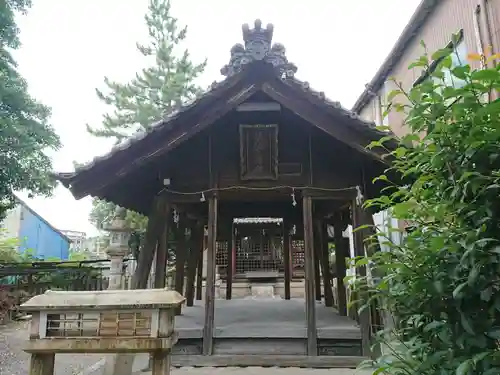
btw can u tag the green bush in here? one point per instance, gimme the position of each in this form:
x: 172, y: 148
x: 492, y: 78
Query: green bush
x: 442, y: 283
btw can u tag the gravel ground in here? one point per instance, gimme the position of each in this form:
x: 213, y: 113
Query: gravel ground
x: 14, y: 361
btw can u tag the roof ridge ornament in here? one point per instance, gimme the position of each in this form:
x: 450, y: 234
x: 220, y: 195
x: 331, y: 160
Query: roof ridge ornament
x: 258, y: 47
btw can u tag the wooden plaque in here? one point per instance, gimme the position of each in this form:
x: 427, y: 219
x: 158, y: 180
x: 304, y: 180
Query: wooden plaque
x: 259, y: 152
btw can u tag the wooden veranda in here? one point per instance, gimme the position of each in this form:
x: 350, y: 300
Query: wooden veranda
x: 260, y: 143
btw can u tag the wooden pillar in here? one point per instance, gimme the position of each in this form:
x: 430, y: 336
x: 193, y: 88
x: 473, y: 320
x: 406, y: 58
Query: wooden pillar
x: 161, y: 363
x: 156, y: 222
x: 325, y: 262
x: 42, y: 364
x: 180, y: 257
x: 230, y: 260
x: 359, y: 251
x: 162, y: 254
x: 261, y: 246
x: 208, y: 329
x: 235, y: 245
x: 309, y: 259
x: 196, y: 241
x: 317, y: 257
x: 286, y: 256
x: 341, y: 252
x: 199, y: 267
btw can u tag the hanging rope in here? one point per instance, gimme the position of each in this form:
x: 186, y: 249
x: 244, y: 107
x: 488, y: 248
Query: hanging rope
x: 357, y: 189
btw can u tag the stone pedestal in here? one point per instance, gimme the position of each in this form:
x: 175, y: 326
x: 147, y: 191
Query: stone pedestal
x: 117, y: 256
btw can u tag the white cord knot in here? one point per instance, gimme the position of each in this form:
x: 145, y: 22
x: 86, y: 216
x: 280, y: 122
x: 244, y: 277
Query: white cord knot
x: 359, y: 196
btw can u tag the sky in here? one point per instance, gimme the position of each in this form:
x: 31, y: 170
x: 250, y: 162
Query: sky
x: 69, y: 46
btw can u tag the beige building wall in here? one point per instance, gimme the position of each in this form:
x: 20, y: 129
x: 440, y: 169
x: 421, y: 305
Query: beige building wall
x: 449, y: 17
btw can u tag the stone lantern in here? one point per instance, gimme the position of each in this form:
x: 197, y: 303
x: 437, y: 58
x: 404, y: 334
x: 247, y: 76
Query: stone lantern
x: 118, y: 247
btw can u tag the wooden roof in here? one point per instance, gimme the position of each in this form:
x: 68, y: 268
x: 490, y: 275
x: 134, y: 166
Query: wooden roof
x: 250, y: 71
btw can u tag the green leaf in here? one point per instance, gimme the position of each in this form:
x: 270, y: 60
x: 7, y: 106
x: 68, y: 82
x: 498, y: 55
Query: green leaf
x: 433, y: 325
x: 461, y: 72
x: 466, y: 324
x: 458, y: 292
x: 494, y: 333
x: 393, y: 94
x: 486, y: 74
x: 439, y: 286
x: 465, y: 367
x: 481, y: 356
x: 383, y: 128
x: 423, y: 61
x: 486, y: 294
x: 473, y: 275
x: 380, y: 370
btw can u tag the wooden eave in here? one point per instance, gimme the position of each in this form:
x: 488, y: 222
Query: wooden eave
x: 223, y: 97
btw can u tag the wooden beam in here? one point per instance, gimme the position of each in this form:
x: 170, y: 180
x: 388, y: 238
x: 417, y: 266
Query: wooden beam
x: 334, y: 195
x: 312, y: 335
x: 325, y: 262
x: 287, y: 257
x: 258, y: 107
x: 208, y: 328
x: 359, y: 251
x: 270, y: 360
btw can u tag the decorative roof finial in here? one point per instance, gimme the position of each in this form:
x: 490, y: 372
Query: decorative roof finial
x: 258, y: 48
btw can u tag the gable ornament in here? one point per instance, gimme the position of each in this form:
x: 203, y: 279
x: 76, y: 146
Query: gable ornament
x: 258, y: 47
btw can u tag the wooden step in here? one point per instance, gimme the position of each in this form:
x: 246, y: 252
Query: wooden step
x: 268, y: 360
x: 268, y: 346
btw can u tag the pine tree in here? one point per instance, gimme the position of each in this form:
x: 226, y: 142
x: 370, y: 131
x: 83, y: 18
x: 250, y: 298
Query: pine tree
x: 155, y: 91
x: 25, y: 133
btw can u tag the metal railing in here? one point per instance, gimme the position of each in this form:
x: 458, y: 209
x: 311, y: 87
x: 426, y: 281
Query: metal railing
x: 21, y: 281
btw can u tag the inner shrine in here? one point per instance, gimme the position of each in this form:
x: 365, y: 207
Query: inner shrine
x: 257, y: 180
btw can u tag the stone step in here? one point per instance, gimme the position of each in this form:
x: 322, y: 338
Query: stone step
x: 262, y: 291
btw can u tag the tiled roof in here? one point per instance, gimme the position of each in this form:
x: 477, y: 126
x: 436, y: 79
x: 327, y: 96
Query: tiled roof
x: 216, y: 87
x: 241, y: 57
x: 163, y: 123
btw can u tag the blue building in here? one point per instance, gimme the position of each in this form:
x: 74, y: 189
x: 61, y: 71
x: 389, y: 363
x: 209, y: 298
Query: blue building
x: 35, y: 233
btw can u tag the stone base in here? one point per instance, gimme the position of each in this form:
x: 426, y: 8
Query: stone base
x: 243, y: 289
x: 262, y: 290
